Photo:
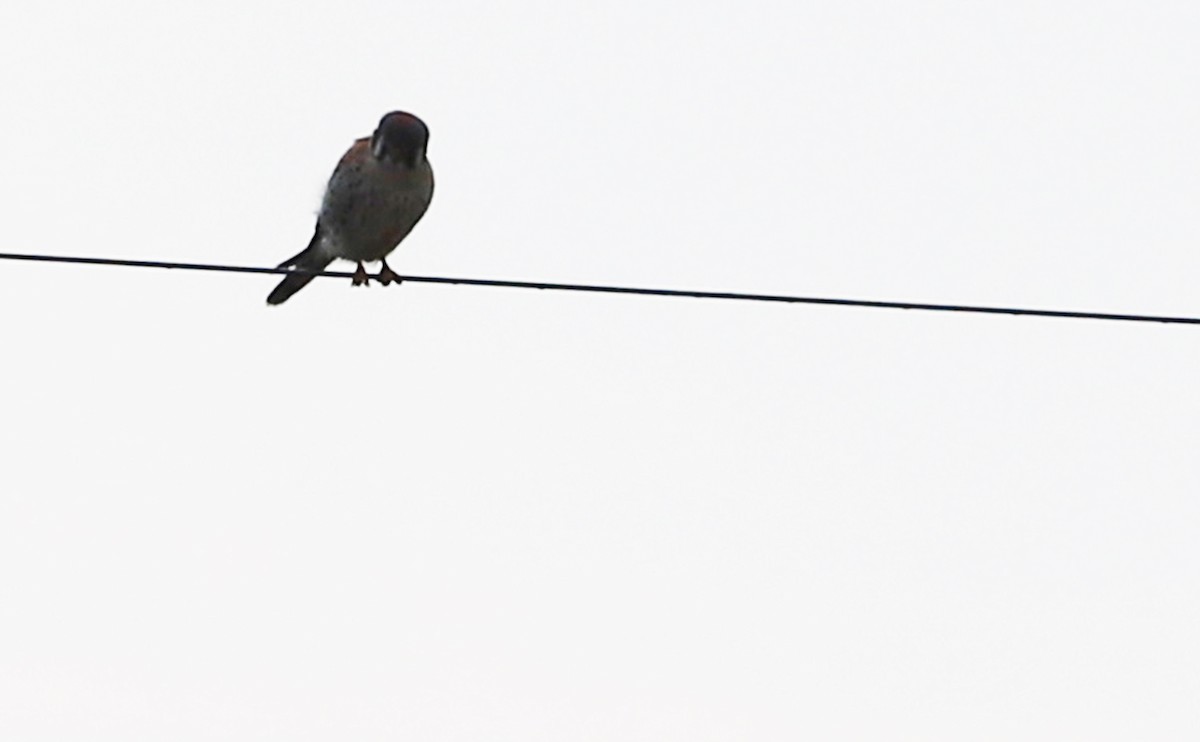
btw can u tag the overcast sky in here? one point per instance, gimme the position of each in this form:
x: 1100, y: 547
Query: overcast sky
x: 452, y: 513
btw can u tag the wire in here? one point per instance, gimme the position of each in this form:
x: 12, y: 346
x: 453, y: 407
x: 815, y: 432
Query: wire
x: 624, y: 290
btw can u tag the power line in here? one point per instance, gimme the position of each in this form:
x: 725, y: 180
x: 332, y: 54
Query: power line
x: 624, y: 290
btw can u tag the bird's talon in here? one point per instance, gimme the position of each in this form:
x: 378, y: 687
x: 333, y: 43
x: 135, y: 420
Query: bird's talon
x: 387, y: 275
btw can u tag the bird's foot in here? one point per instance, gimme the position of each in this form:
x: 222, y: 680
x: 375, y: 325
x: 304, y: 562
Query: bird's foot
x: 387, y: 275
x: 361, y: 277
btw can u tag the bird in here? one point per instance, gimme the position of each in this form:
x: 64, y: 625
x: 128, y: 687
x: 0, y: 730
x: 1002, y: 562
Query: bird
x: 378, y: 192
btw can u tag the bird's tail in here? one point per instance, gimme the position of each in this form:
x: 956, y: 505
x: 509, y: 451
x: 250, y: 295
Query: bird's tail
x: 311, y: 258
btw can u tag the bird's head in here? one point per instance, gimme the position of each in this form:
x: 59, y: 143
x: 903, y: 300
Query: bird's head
x: 401, y: 138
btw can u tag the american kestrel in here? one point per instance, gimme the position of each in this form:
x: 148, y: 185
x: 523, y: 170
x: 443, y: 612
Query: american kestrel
x: 376, y: 195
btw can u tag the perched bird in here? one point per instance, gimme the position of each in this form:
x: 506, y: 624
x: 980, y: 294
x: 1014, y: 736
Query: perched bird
x: 376, y: 195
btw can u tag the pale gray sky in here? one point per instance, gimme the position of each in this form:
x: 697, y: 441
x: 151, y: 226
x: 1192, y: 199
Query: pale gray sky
x: 449, y: 513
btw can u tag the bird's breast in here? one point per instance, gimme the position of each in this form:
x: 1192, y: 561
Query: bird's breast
x: 369, y: 207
